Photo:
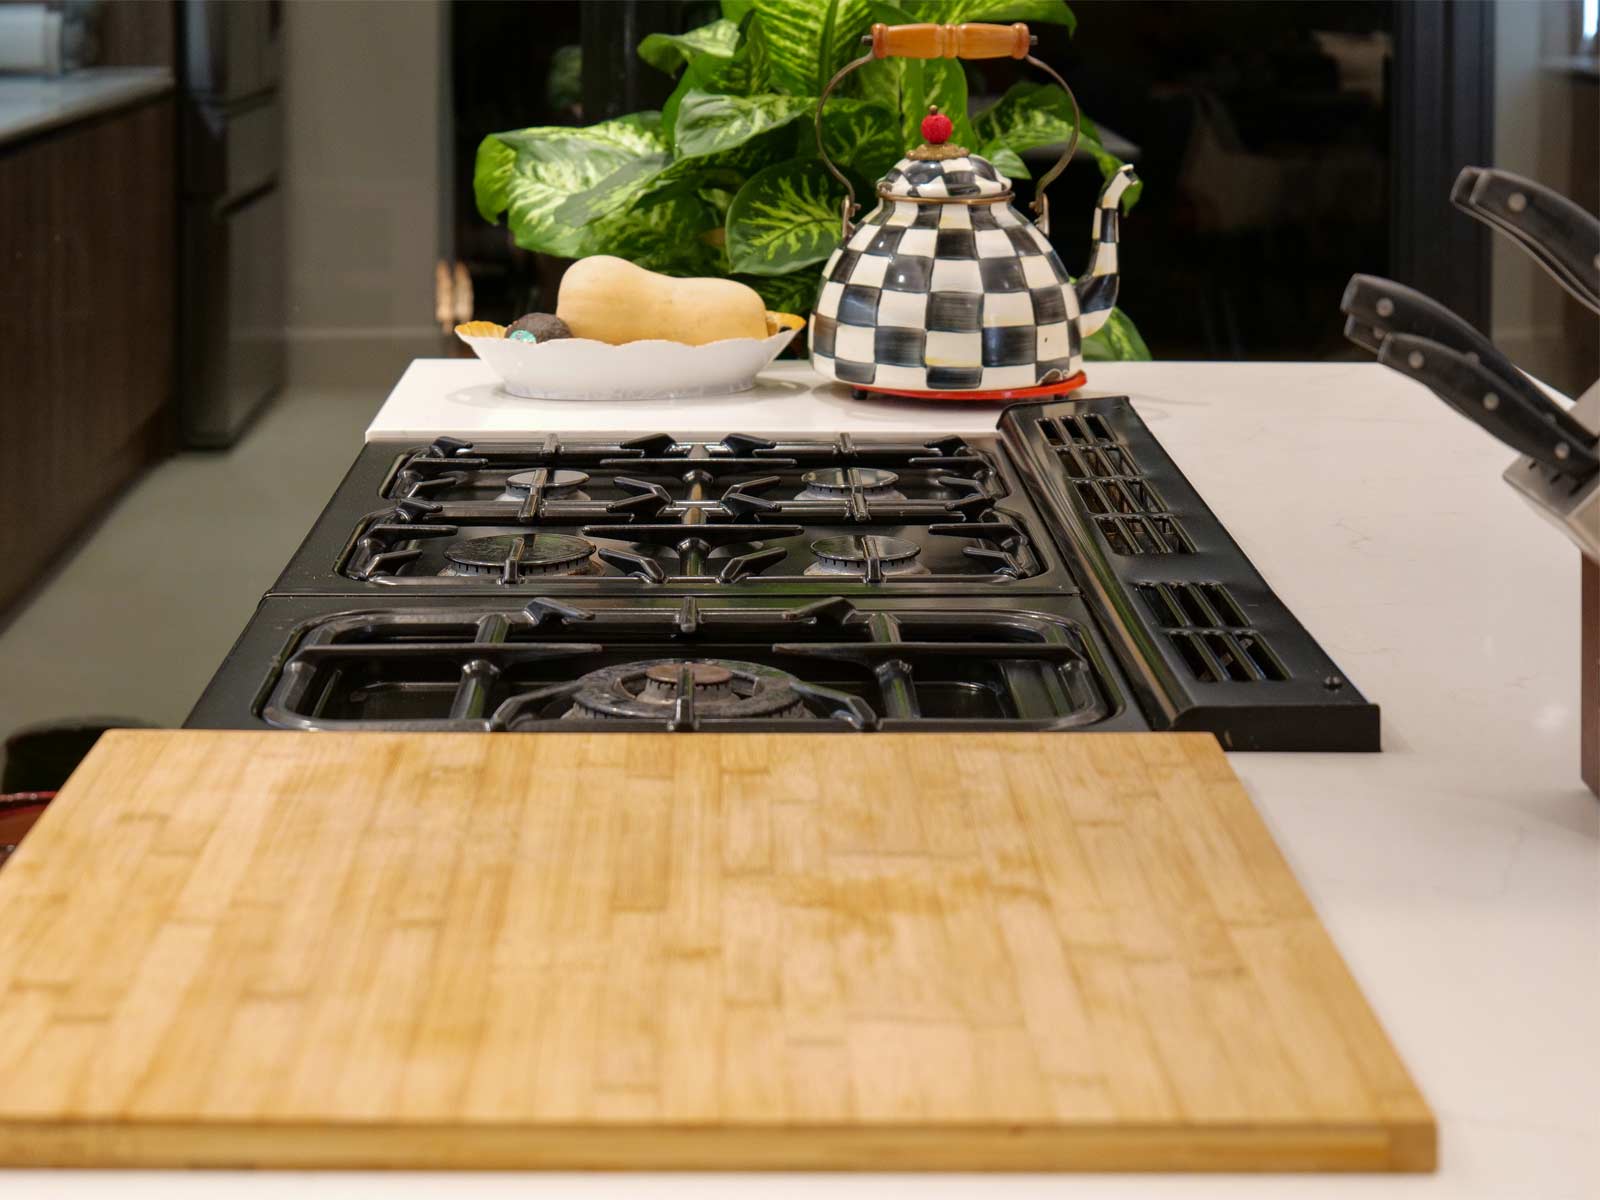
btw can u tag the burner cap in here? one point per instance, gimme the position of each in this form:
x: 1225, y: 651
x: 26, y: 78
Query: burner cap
x: 651, y: 691
x: 542, y: 554
x: 562, y: 485
x: 848, y: 555
x: 833, y: 483
x: 701, y: 674
x: 555, y: 481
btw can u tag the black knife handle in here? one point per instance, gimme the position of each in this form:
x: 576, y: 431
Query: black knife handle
x: 1474, y: 393
x: 1390, y: 307
x: 1560, y: 236
x: 1364, y: 334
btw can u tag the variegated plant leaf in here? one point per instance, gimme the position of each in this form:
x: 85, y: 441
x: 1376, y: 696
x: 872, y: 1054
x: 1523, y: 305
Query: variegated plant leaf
x: 881, y: 80
x: 747, y: 72
x: 809, y: 39
x: 723, y: 140
x: 1039, y: 12
x: 910, y: 85
x: 1008, y: 162
x: 682, y: 236
x: 669, y: 51
x: 1117, y: 340
x: 528, y: 174
x: 935, y: 81
x: 1031, y: 115
x: 491, y: 177
x: 795, y: 292
x: 861, y: 136
x: 1028, y: 115
x: 616, y: 191
x: 708, y: 124
x: 785, y: 218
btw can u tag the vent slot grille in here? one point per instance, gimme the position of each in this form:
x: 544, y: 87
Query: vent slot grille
x: 1126, y: 508
x: 1208, y: 629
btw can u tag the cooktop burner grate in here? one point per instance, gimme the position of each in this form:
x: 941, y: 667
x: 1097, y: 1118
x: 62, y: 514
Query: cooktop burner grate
x: 557, y: 665
x: 691, y: 472
x: 1071, y: 509
x: 701, y: 546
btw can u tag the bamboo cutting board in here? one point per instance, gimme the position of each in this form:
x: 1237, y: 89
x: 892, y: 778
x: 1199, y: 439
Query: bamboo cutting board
x: 883, y: 951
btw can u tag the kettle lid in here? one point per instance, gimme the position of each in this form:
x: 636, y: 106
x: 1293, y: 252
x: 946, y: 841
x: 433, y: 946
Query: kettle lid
x: 939, y: 168
x: 959, y: 176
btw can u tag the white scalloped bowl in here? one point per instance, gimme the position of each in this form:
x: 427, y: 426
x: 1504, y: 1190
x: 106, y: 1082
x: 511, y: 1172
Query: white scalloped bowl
x: 583, y: 369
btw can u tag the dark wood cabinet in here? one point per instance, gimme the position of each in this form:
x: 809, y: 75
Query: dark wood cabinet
x: 87, y: 278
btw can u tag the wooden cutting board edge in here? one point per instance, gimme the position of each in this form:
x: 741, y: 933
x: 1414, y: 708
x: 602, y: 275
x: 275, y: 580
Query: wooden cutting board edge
x: 1395, y: 1144
x: 1408, y: 1147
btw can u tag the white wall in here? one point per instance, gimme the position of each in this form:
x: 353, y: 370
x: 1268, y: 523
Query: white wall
x: 364, y: 184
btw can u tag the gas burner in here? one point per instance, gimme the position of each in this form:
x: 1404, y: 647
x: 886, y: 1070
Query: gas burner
x: 865, y: 556
x: 560, y: 485
x: 836, y: 483
x: 521, y: 555
x: 663, y: 689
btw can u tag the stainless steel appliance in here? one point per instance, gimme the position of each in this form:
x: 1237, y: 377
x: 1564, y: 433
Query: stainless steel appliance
x: 231, y: 307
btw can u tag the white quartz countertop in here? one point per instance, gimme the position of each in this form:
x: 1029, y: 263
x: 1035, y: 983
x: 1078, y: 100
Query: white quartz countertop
x: 30, y: 104
x: 1457, y: 871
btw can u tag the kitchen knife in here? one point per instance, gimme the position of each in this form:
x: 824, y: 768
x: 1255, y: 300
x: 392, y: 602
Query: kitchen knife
x: 1390, y: 307
x: 1474, y: 392
x: 1561, y: 237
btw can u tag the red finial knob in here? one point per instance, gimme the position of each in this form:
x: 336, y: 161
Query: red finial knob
x: 936, y: 127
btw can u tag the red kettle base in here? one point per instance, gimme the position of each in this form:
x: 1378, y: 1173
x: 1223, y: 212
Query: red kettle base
x: 1042, y: 391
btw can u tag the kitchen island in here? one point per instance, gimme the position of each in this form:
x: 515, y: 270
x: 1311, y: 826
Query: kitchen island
x: 1456, y: 871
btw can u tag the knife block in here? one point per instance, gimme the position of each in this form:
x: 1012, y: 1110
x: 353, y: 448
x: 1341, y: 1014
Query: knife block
x: 1578, y: 515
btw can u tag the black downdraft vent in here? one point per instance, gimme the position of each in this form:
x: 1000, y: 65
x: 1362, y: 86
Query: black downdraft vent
x: 1124, y: 506
x: 1209, y: 630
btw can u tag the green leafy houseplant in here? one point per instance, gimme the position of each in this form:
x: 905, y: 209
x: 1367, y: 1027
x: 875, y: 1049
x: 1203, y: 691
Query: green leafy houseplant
x: 725, y: 179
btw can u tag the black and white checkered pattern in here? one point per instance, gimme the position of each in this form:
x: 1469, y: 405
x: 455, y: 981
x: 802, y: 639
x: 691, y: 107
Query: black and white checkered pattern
x: 942, y: 297
x: 965, y: 176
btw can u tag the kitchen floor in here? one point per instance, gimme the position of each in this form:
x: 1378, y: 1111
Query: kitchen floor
x: 120, y: 630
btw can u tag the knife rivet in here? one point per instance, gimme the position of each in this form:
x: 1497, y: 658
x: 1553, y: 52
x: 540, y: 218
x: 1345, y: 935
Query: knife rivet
x: 1563, y: 450
x: 1516, y: 202
x: 1386, y: 307
x: 1491, y: 401
x: 1416, y: 360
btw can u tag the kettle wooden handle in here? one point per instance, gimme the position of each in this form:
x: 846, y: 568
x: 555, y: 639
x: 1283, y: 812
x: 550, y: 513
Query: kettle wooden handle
x: 951, y: 41
x: 945, y: 41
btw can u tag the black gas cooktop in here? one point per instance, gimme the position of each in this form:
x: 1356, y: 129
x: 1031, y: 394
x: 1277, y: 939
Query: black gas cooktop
x: 1058, y: 575
x: 567, y: 516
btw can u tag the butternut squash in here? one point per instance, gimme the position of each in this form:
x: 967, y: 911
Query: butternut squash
x: 611, y: 300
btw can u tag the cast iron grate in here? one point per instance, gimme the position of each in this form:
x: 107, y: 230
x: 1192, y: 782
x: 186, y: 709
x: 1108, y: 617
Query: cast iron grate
x: 853, y: 668
x: 1125, y: 507
x: 1210, y: 632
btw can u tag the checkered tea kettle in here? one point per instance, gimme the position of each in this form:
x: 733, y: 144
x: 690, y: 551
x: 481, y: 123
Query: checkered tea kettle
x: 945, y: 286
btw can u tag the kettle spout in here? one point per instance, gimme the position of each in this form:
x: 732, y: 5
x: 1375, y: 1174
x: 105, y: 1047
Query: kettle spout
x: 1097, y: 287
